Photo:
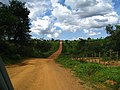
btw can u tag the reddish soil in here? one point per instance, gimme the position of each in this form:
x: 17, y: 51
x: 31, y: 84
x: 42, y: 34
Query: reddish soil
x: 43, y: 74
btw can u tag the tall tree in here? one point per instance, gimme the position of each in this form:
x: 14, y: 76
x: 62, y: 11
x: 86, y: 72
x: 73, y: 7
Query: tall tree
x: 114, y: 36
x: 7, y: 21
x: 21, y: 30
x: 14, y: 22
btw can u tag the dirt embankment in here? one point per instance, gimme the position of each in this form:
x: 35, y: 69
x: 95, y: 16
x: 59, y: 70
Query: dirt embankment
x: 43, y: 74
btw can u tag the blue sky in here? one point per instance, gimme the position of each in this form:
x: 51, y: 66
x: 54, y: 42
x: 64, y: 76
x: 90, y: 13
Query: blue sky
x: 117, y: 6
x: 71, y: 19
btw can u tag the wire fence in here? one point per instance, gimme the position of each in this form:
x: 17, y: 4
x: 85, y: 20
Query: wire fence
x: 106, y: 58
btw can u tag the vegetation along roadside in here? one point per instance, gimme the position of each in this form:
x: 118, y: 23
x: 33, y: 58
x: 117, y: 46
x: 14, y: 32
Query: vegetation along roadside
x: 98, y: 76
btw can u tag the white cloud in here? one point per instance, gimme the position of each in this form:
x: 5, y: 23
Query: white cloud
x: 54, y: 3
x: 44, y: 25
x: 56, y: 34
x: 49, y: 35
x: 85, y: 15
x: 91, y: 32
x: 74, y: 38
x: 86, y: 31
x: 60, y: 12
x: 90, y: 9
x: 37, y: 9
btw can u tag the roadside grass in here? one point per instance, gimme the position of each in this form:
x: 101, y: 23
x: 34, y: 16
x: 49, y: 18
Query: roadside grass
x: 95, y: 74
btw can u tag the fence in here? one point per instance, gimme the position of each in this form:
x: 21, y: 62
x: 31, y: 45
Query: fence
x: 108, y: 58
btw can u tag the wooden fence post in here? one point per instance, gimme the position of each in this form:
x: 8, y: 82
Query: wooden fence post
x: 117, y: 58
x: 99, y: 57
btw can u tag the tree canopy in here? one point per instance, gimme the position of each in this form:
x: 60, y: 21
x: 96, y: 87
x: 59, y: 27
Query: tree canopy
x: 14, y: 22
x: 114, y: 36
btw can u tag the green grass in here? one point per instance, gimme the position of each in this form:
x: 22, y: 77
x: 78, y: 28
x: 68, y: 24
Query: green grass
x: 92, y: 73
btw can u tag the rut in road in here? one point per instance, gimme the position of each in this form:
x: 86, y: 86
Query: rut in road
x: 43, y: 74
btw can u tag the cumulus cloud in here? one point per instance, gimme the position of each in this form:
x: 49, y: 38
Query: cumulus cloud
x: 37, y: 9
x: 91, y: 33
x: 85, y: 14
x: 50, y: 17
x: 44, y: 26
x: 49, y: 35
x: 94, y: 10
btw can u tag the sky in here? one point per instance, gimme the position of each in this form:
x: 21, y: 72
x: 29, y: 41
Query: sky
x: 71, y: 19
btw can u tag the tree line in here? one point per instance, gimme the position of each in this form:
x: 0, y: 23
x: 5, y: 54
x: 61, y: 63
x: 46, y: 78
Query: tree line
x: 107, y: 48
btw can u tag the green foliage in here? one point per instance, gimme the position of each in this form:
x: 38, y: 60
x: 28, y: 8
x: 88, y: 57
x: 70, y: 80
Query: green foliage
x: 109, y: 73
x: 69, y: 47
x: 11, y: 52
x: 54, y: 46
x: 109, y: 29
x: 7, y: 21
x: 107, y: 48
x: 14, y: 22
x: 102, y: 47
x: 86, y: 48
x: 114, y: 37
x: 21, y: 30
x: 93, y: 73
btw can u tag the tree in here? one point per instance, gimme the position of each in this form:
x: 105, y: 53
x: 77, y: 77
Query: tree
x: 114, y: 36
x: 7, y: 22
x: 21, y: 30
x: 14, y: 22
x: 109, y: 29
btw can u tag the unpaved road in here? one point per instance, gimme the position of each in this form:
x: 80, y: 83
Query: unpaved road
x: 43, y: 74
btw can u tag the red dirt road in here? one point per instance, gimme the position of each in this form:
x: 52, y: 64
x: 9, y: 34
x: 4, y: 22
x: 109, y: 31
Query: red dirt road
x: 43, y: 74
